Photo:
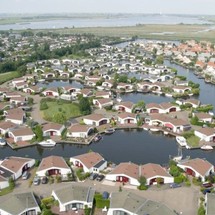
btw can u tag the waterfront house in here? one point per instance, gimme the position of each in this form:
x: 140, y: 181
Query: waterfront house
x: 103, y: 94
x: 192, y: 102
x: 102, y: 103
x: 52, y: 129
x: 74, y: 197
x: 204, y: 117
x: 5, y: 127
x: 126, y: 173
x: 124, y: 86
x: 124, y: 107
x: 49, y: 75
x: 86, y: 92
x: 206, y: 134
x: 92, y: 78
x: 90, y: 162
x: 79, y: 131
x: 53, y: 165
x: 71, y: 90
x: 197, y: 167
x: 152, y: 172
x: 91, y: 83
x: 107, y: 84
x: 16, y: 165
x: 132, y: 204
x: 181, y: 89
x: 164, y: 107
x: 127, y: 118
x: 95, y: 119
x: 32, y: 90
x: 15, y: 116
x: 51, y: 92
x: 21, y: 134
x: 19, y: 203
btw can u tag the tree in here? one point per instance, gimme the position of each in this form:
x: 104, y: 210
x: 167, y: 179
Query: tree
x: 159, y: 60
x: 38, y: 132
x: 84, y: 105
x: 59, y: 118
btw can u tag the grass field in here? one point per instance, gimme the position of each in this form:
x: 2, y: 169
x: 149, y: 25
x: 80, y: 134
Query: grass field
x: 8, y: 76
x: 69, y: 110
x: 193, y: 141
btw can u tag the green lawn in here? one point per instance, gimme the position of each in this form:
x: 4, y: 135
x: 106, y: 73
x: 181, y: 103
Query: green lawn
x: 193, y: 141
x: 67, y: 109
x: 5, y: 191
x: 8, y: 76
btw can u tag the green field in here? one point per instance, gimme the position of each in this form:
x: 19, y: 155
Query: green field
x: 4, y: 77
x: 67, y: 109
x: 193, y: 141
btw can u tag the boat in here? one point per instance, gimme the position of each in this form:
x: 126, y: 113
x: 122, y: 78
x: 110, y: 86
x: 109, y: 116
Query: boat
x: 154, y: 129
x: 41, y: 80
x: 207, y: 147
x: 165, y: 132
x: 181, y: 141
x: 109, y: 131
x: 2, y: 142
x: 47, y: 143
x: 145, y: 128
x: 178, y: 157
x: 97, y: 138
x: 168, y: 95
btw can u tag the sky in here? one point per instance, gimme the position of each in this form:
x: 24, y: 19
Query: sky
x: 206, y: 7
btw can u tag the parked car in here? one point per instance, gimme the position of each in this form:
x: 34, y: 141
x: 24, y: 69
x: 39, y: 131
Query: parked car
x: 36, y: 180
x: 105, y: 195
x: 93, y: 176
x: 44, y: 180
x: 174, y: 185
x: 207, y: 184
x: 100, y: 177
x: 25, y: 175
x: 208, y: 190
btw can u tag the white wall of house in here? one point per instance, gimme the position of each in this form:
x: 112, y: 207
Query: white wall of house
x: 166, y: 179
x: 111, y: 211
x: 97, y: 170
x: 4, y: 184
x: 124, y: 120
x: 45, y: 93
x: 55, y: 132
x: 20, y: 138
x: 77, y: 134
x: 15, y: 121
x: 128, y: 110
x: 132, y: 181
x: 63, y: 171
x: 94, y: 122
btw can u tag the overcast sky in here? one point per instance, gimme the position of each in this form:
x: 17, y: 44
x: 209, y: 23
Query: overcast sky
x: 108, y: 6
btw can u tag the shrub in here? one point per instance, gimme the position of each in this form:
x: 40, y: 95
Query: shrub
x: 100, y: 202
x: 81, y: 175
x: 43, y: 106
x: 142, y: 187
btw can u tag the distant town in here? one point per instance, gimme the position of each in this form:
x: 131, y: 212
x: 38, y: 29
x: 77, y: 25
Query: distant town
x: 70, y: 89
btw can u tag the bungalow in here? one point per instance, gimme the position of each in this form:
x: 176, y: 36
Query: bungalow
x: 9, y: 95
x: 107, y: 84
x: 144, y: 86
x: 124, y: 107
x: 204, y: 117
x: 101, y: 103
x: 92, y: 78
x: 91, y: 83
x: 103, y: 94
x: 16, y: 165
x: 17, y: 80
x: 19, y: 203
x: 53, y: 165
x: 18, y: 101
x: 128, y: 203
x: 96, y: 119
x: 127, y: 118
x: 124, y: 86
x: 181, y: 89
x: 90, y: 162
x: 164, y: 107
x: 20, y: 85
x: 126, y: 173
x: 15, y: 116
x: 153, y: 172
x: 197, y: 168
x: 64, y: 74
x: 71, y: 90
x: 194, y: 102
x: 21, y: 134
x: 5, y: 127
x: 79, y: 75
x: 74, y: 197
x: 32, y: 90
x: 52, y: 129
x: 51, y: 92
x: 80, y: 131
x: 49, y: 75
x: 206, y: 134
x: 86, y: 92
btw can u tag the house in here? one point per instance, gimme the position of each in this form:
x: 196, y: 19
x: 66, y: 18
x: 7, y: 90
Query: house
x: 82, y: 131
x: 165, y: 107
x: 126, y: 173
x: 90, y: 162
x: 31, y: 90
x: 17, y: 80
x: 53, y: 165
x: 124, y: 107
x: 96, y: 119
x: 20, y: 85
x: 51, y: 92
x: 107, y: 84
x: 52, y: 129
x: 181, y: 89
x: 132, y: 204
x: 124, y: 86
x: 19, y: 203
x: 16, y: 165
x: 153, y: 171
x: 204, y: 117
x: 5, y: 127
x: 91, y: 83
x: 9, y: 95
x: 103, y: 94
x: 206, y: 134
x: 192, y: 102
x: 101, y: 103
x: 127, y: 118
x: 21, y: 134
x: 15, y: 116
x: 18, y: 101
x: 209, y: 203
x: 74, y: 197
x: 197, y: 167
x: 86, y: 92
